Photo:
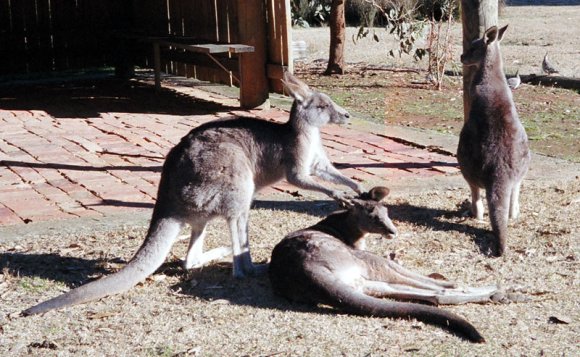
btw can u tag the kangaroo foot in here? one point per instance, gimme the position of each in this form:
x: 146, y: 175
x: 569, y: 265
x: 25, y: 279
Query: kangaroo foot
x: 209, y: 256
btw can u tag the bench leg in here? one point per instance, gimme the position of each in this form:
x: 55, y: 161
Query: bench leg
x: 157, y: 65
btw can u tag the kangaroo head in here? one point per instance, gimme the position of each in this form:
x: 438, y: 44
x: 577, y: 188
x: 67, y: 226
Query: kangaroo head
x: 311, y: 107
x: 371, y: 214
x: 478, y: 51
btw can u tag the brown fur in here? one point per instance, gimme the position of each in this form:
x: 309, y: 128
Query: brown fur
x: 322, y: 264
x: 214, y: 172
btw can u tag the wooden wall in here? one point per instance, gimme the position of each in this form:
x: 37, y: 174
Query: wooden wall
x: 58, y: 35
x: 219, y: 21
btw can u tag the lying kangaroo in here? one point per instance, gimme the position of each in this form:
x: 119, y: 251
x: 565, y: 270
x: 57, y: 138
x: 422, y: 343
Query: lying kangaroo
x: 493, y: 146
x: 323, y: 264
x: 214, y: 172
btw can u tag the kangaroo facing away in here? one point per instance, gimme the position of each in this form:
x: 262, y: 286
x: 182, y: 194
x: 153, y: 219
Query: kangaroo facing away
x: 214, y: 172
x: 324, y: 264
x: 493, y: 151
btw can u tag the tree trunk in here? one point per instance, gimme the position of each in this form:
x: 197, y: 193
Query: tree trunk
x: 337, y: 38
x: 476, y: 17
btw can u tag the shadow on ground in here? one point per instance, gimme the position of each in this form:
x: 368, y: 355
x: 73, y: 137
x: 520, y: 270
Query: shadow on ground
x: 73, y: 270
x: 443, y: 220
x: 81, y: 99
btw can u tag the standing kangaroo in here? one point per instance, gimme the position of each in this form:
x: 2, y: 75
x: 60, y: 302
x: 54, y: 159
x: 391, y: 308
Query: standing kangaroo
x: 493, y: 148
x: 214, y: 172
x: 324, y: 264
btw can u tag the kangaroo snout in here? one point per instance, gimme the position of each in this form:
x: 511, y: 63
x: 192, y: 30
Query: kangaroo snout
x: 342, y: 117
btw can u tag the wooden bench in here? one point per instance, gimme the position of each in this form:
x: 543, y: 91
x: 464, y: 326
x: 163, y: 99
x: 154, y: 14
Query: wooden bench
x: 185, y: 45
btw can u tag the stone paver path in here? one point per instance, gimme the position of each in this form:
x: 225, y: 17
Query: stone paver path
x: 96, y: 148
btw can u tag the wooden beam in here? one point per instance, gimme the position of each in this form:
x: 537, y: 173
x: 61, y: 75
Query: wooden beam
x: 254, y: 89
x: 199, y: 59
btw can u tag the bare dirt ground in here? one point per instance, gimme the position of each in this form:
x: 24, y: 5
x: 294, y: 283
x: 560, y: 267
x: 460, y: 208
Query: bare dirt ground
x: 208, y: 313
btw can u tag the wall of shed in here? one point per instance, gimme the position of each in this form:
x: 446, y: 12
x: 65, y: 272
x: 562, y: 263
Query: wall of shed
x: 60, y: 35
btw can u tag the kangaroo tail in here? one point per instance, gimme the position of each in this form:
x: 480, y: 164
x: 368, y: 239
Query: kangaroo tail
x: 344, y: 297
x: 498, y: 199
x: 149, y: 257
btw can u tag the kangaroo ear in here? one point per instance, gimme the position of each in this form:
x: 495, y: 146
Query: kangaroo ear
x: 490, y: 35
x: 296, y: 88
x: 500, y: 32
x: 378, y: 193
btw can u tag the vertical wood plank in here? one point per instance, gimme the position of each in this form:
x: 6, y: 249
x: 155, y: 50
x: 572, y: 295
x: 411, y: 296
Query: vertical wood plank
x: 254, y: 89
x: 279, y: 39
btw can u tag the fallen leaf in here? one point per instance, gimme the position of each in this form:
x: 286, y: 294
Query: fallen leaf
x: 220, y: 302
x: 559, y: 320
x: 437, y: 276
x: 44, y: 344
x: 100, y: 315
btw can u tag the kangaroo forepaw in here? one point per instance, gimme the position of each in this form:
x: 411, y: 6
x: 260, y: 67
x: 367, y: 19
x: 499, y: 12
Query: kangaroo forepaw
x: 342, y: 198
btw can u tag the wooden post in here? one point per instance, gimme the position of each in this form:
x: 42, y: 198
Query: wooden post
x: 476, y: 17
x: 254, y: 87
x: 157, y: 64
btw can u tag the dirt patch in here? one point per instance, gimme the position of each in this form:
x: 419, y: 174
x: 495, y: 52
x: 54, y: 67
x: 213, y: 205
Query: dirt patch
x: 207, y: 312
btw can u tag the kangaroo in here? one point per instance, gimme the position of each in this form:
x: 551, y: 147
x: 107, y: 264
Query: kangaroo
x: 214, y: 172
x: 493, y: 148
x: 324, y: 264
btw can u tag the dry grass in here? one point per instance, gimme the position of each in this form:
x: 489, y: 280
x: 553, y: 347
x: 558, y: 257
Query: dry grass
x: 209, y: 313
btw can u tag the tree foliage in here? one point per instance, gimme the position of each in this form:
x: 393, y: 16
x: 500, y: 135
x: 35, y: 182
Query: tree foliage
x: 407, y: 21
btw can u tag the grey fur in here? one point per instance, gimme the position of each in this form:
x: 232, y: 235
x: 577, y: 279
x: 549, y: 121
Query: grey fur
x: 214, y: 172
x: 493, y: 148
x: 324, y: 264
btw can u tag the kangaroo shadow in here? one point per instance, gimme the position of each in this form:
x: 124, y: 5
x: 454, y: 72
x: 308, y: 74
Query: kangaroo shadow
x: 212, y: 283
x: 215, y: 284
x: 69, y: 270
x: 318, y: 208
x: 443, y: 220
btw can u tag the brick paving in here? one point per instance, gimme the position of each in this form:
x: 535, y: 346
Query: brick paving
x: 91, y: 149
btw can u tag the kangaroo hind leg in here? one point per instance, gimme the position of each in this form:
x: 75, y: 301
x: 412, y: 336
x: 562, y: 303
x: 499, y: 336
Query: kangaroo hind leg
x: 515, y: 201
x: 476, y: 202
x: 242, y: 263
x: 421, y: 280
x: 444, y: 296
x: 388, y: 271
x: 195, y: 257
